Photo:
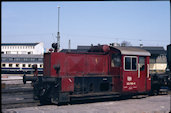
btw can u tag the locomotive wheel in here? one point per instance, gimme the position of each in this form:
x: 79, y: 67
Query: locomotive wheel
x: 45, y: 97
x: 155, y: 92
x: 54, y: 101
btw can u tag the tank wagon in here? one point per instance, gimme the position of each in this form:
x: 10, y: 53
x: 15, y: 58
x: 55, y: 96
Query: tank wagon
x: 102, y: 72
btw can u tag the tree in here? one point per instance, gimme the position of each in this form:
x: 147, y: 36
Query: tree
x: 125, y: 43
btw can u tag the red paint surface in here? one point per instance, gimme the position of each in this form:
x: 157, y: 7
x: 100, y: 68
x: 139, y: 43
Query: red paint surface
x: 67, y: 84
x: 47, y: 64
x: 116, y: 84
x: 80, y: 64
x: 142, y: 80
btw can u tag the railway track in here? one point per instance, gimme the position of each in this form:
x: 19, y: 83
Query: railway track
x: 17, y: 96
x: 21, y: 95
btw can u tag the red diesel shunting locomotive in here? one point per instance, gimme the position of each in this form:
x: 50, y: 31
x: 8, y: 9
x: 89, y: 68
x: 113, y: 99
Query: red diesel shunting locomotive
x: 104, y: 71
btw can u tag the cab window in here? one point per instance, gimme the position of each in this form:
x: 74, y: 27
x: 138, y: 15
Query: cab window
x: 127, y: 63
x: 115, y: 60
x: 142, y: 63
x: 130, y: 63
x: 134, y: 63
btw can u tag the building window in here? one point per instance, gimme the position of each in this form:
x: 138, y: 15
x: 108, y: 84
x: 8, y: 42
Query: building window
x: 40, y: 59
x: 17, y: 65
x: 26, y: 59
x: 10, y: 65
x: 152, y: 60
x: 16, y: 59
x: 29, y: 65
x: 23, y: 52
x: 10, y: 59
x: 21, y: 59
x: 41, y: 65
x: 33, y: 59
x: 130, y: 63
x: 24, y: 65
x: 3, y: 65
x: 4, y: 59
x: 8, y: 52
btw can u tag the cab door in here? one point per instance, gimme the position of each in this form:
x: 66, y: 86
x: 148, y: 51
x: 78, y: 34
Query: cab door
x: 142, y: 74
x: 115, y: 70
x: 130, y: 72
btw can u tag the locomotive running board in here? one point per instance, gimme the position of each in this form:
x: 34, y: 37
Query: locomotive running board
x: 94, y: 96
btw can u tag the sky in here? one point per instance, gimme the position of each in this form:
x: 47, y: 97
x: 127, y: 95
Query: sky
x: 86, y: 22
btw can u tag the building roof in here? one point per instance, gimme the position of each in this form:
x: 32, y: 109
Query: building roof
x: 154, y: 49
x: 21, y: 55
x: 19, y: 44
x: 84, y: 47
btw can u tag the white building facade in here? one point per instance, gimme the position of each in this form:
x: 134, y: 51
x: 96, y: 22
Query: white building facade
x: 22, y: 48
x: 18, y: 58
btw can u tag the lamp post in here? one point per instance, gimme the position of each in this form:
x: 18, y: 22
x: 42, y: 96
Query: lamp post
x: 58, y: 34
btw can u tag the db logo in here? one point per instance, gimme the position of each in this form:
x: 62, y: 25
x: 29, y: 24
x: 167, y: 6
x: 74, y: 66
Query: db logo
x: 129, y: 78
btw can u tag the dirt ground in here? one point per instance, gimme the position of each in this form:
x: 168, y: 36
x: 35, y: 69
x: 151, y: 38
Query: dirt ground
x: 152, y: 104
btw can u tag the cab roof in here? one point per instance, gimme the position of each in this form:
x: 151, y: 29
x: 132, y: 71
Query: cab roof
x: 131, y: 51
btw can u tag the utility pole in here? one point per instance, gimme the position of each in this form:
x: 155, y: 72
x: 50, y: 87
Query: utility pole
x: 58, y: 34
x: 69, y: 46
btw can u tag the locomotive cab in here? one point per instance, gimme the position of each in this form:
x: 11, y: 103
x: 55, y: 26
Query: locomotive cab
x: 130, y: 68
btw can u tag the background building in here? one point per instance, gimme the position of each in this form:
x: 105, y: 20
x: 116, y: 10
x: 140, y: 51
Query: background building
x: 17, y: 58
x: 22, y: 48
x: 158, y: 59
x: 17, y: 64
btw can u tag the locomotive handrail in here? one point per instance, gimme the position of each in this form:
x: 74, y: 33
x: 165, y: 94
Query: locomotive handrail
x: 43, y: 79
x: 148, y: 73
x: 138, y: 70
x: 29, y: 78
